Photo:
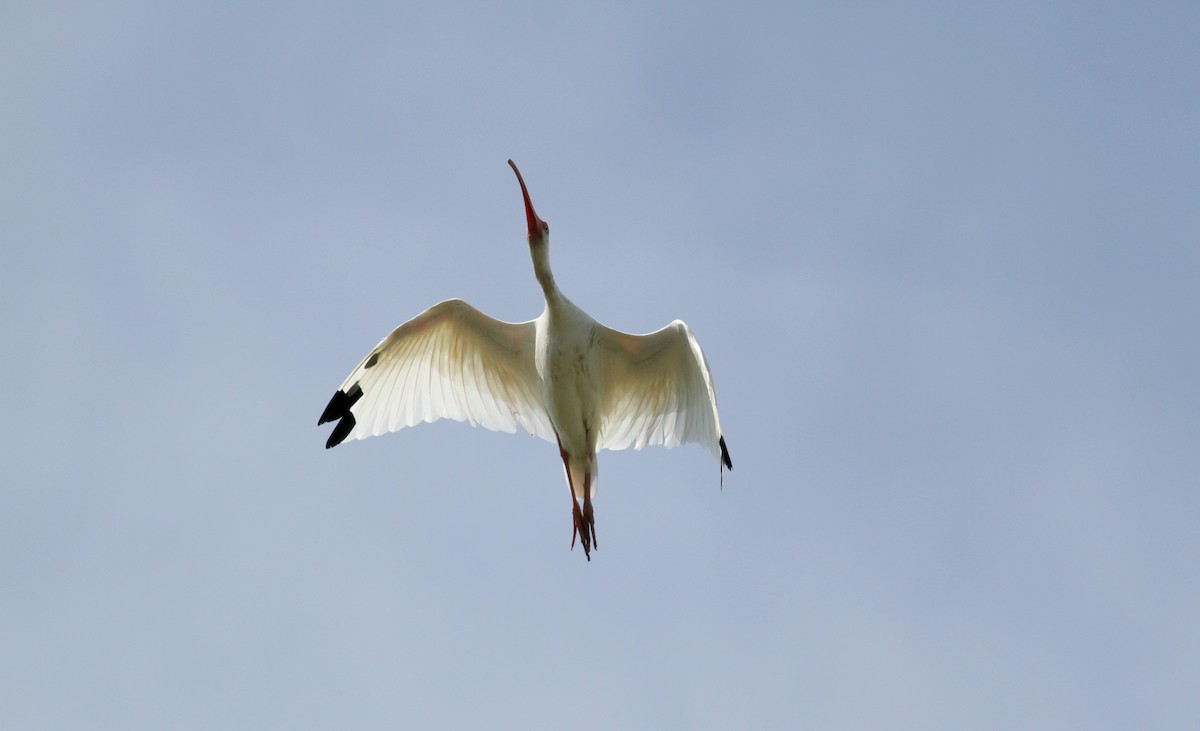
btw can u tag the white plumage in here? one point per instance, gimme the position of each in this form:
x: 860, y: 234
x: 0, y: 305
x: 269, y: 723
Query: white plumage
x: 563, y: 377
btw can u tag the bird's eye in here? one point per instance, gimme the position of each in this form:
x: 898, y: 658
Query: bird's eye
x: 545, y: 228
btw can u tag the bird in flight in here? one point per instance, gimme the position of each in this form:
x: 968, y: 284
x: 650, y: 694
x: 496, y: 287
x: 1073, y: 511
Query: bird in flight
x: 563, y: 377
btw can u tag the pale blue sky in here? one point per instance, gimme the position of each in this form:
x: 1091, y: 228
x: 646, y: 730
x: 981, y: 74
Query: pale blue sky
x: 943, y: 261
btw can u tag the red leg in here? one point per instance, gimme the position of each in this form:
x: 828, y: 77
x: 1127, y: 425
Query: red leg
x: 588, y: 516
x: 578, y: 526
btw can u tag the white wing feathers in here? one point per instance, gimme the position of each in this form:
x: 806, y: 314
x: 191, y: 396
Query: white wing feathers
x: 451, y: 361
x: 656, y: 389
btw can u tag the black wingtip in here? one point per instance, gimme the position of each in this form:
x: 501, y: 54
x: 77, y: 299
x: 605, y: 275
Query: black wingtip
x: 341, y: 431
x: 340, y: 404
x: 339, y: 409
x: 725, y: 455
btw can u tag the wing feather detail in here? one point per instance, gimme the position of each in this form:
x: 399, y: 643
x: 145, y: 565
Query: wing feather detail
x: 657, y: 389
x: 449, y: 362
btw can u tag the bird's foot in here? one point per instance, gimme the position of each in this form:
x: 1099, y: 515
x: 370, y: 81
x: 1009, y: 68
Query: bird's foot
x: 584, y: 528
x: 589, y: 517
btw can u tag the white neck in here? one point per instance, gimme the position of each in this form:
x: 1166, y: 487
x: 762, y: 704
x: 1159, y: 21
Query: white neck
x: 540, y: 253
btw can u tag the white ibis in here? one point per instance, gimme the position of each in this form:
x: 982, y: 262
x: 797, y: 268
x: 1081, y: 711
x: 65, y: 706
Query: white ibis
x: 563, y: 377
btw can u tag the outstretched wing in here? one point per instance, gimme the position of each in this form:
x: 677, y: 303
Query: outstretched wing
x: 452, y: 362
x: 657, y: 390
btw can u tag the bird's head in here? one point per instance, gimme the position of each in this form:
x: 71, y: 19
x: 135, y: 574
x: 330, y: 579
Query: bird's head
x: 536, y: 229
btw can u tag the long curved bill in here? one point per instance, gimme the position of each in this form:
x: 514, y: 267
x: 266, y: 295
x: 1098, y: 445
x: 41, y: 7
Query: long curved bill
x: 533, y: 224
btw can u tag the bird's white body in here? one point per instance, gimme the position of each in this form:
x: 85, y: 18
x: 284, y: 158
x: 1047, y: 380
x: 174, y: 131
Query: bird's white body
x: 563, y: 377
x: 566, y: 338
